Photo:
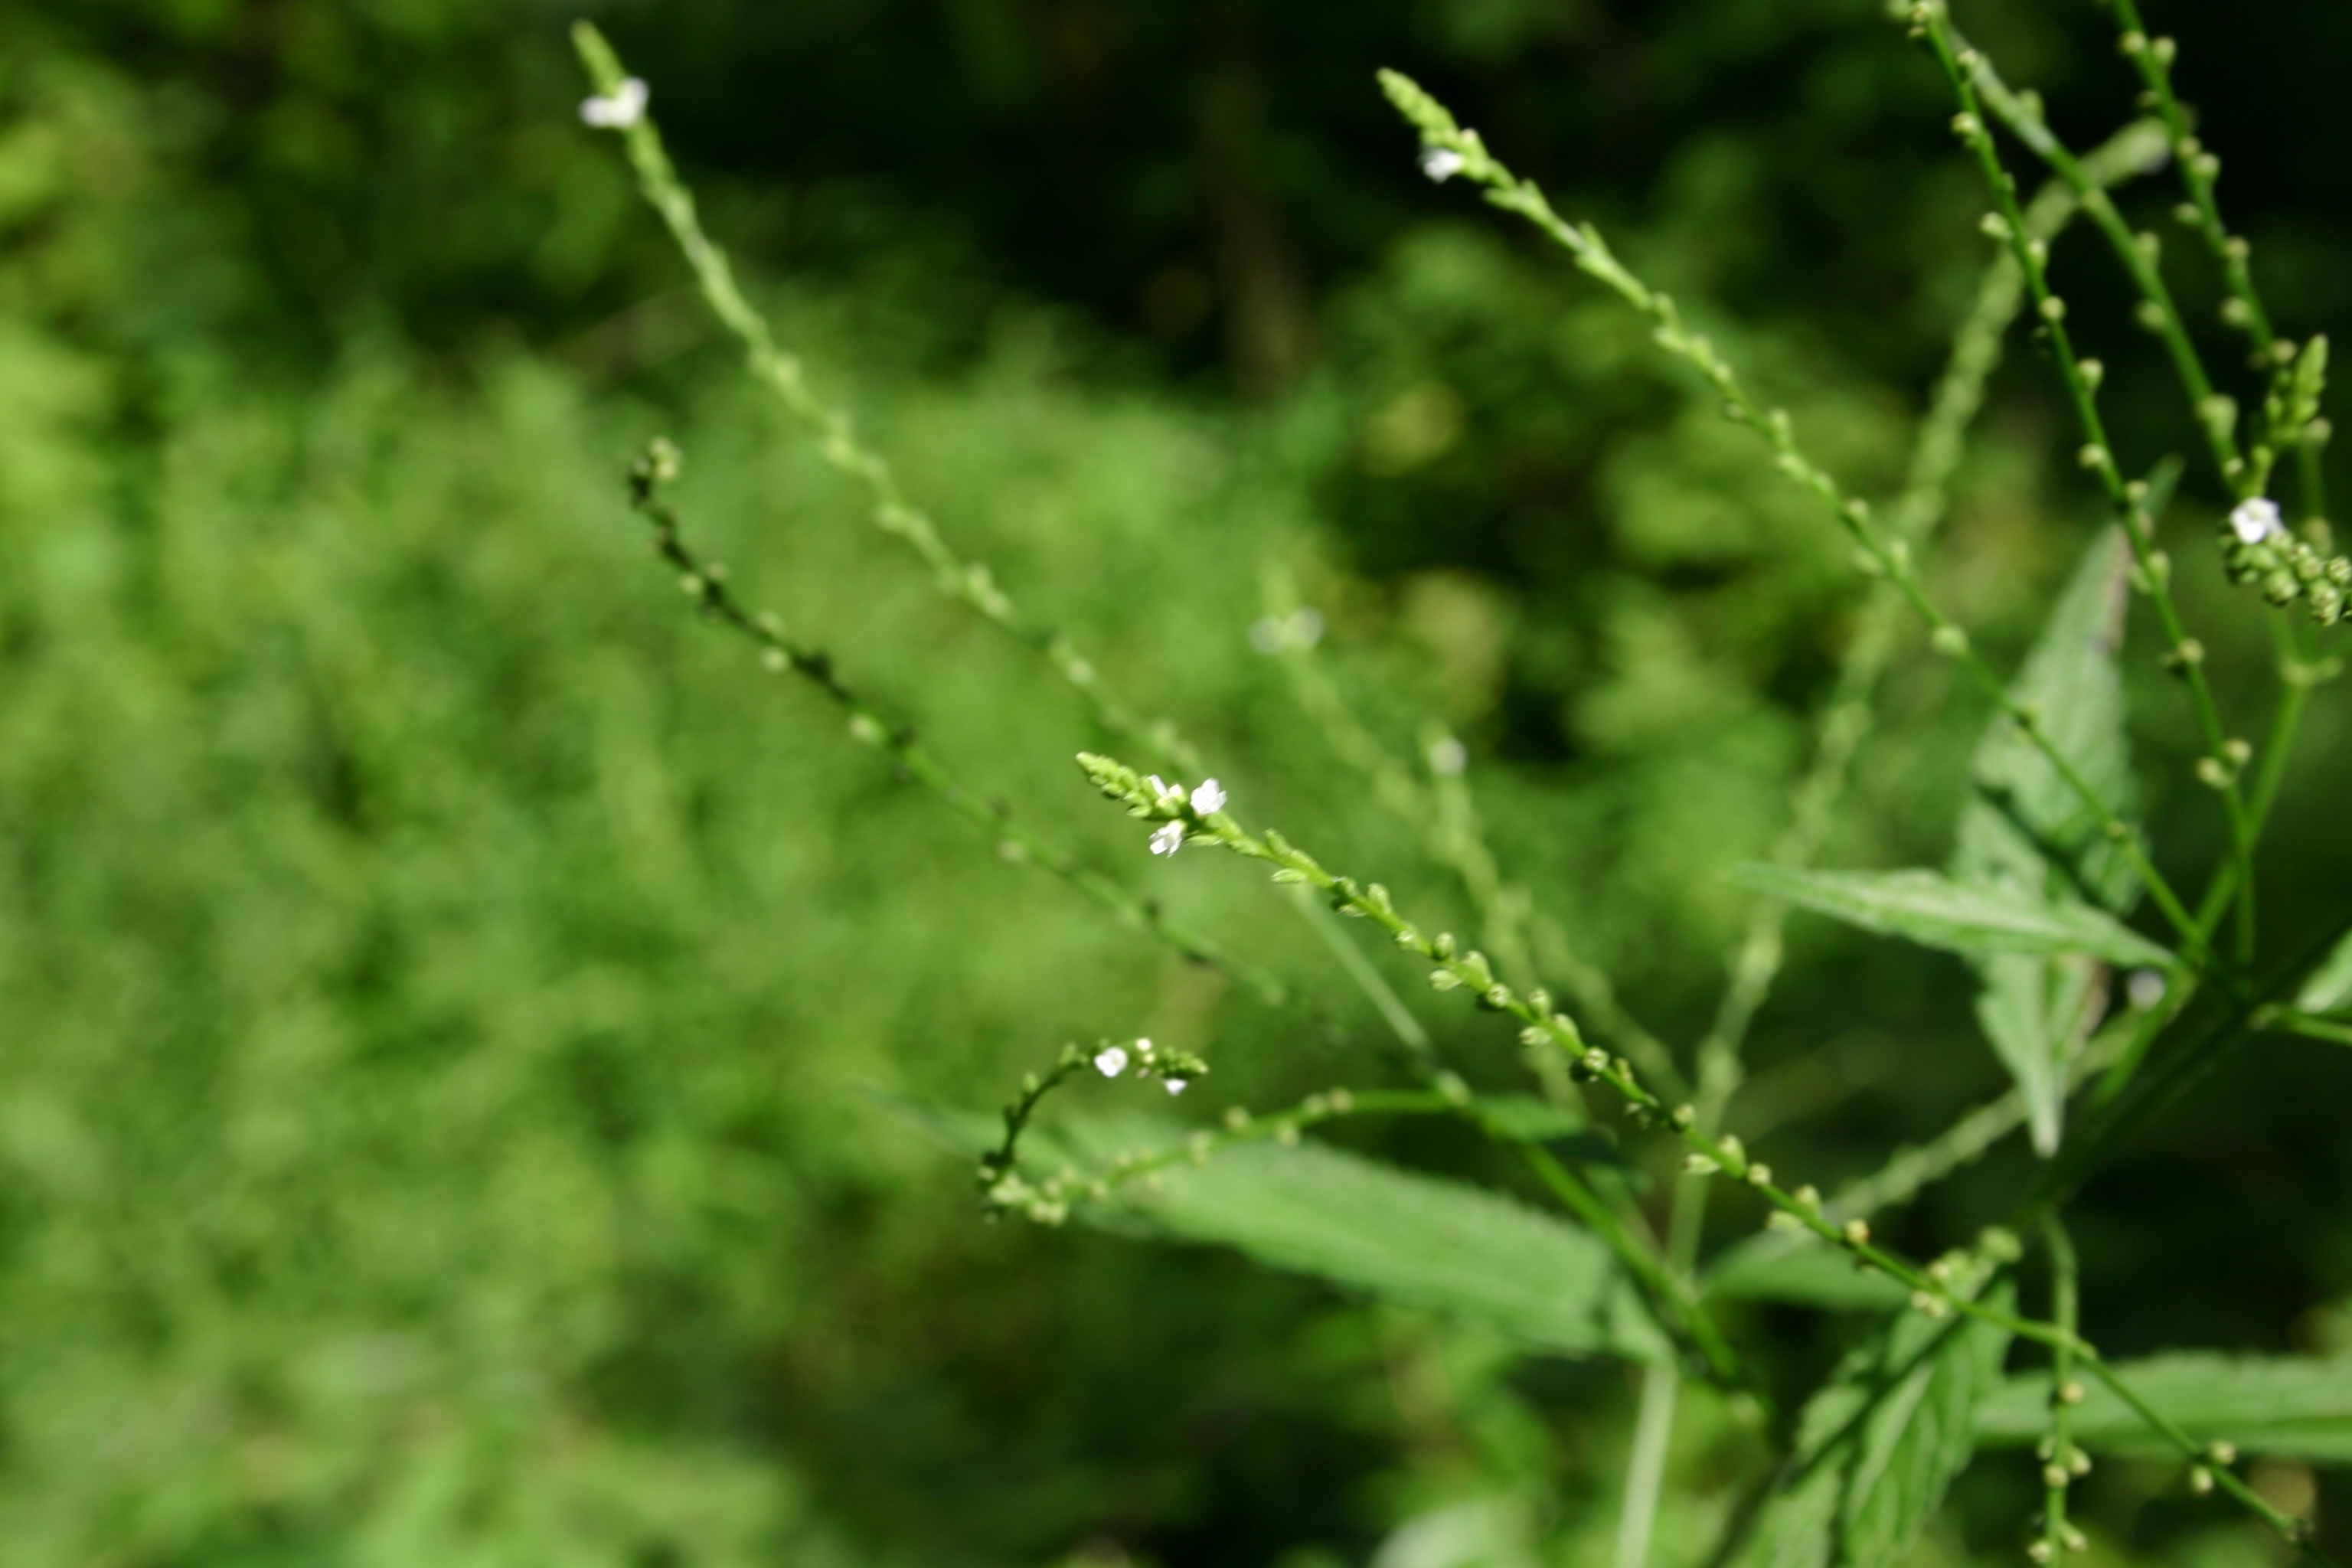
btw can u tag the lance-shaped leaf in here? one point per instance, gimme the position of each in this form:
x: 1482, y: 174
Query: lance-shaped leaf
x: 1415, y: 1240
x: 2028, y: 830
x: 1934, y: 910
x: 2291, y: 1406
x: 1800, y: 1270
x: 2330, y: 985
x: 1373, y: 1229
x: 1879, y: 1445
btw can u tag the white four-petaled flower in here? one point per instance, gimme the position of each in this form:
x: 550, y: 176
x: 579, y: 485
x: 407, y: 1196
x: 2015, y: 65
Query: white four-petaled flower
x: 1110, y: 1061
x: 1440, y: 163
x: 1169, y: 839
x: 1174, y: 1084
x: 618, y: 110
x: 2257, y: 519
x: 1209, y: 797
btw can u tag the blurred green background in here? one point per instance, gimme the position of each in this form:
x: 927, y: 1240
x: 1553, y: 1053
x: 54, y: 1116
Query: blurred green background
x: 442, y: 987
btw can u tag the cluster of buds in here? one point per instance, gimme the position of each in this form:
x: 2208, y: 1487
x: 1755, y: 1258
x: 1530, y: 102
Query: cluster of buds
x: 2258, y: 548
x: 1174, y: 1069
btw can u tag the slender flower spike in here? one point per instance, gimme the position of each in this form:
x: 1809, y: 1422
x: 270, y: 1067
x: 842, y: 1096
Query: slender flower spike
x: 1169, y: 839
x: 2257, y: 519
x: 1110, y: 1061
x: 1440, y: 163
x: 1208, y: 797
x: 624, y: 108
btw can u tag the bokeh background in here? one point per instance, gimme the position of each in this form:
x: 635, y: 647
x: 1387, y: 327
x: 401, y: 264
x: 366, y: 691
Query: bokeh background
x: 443, y: 991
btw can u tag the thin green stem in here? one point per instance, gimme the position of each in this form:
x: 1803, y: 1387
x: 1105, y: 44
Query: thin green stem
x: 1934, y: 1289
x: 1645, y: 1467
x: 1878, y: 553
x: 2198, y: 171
x: 1048, y: 1201
x: 2153, y: 576
x: 1377, y: 990
x: 969, y: 582
x: 1527, y: 943
x: 2022, y: 114
x: 707, y: 589
x: 1755, y: 960
x: 2059, y: 1463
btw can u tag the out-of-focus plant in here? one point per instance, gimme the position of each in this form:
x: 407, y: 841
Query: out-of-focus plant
x: 2108, y: 987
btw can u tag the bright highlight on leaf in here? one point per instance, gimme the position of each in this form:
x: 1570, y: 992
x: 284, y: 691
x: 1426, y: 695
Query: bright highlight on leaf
x: 1932, y: 910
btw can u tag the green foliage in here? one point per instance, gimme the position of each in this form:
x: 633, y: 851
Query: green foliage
x: 2295, y: 1407
x: 1974, y: 919
x: 2026, y: 831
x: 1879, y: 1445
x: 439, y: 973
x: 1372, y: 1227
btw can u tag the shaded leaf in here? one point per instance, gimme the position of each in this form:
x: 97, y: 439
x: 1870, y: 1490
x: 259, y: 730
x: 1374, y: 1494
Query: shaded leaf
x: 2026, y: 830
x: 2330, y: 985
x: 2288, y: 1405
x: 1800, y: 1270
x: 1879, y: 1445
x: 1931, y: 909
x: 1419, y: 1240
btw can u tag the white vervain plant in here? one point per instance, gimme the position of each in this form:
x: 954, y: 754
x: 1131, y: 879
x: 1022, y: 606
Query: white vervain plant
x: 2049, y: 865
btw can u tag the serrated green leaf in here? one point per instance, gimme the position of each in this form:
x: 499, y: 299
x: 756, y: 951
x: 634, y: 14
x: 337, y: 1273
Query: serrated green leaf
x: 1800, y: 1270
x: 2291, y: 1406
x: 1879, y: 1445
x: 2330, y: 985
x: 1934, y: 910
x: 1415, y: 1240
x: 2028, y: 831
x: 1397, y: 1235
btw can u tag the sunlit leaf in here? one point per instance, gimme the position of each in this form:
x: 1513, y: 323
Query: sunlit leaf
x: 2330, y: 985
x: 1931, y: 909
x: 1801, y: 1271
x: 2293, y: 1406
x: 1372, y: 1227
x: 1418, y: 1240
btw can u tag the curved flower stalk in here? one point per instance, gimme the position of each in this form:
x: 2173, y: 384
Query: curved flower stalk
x: 2292, y: 411
x: 1949, y: 1285
x: 1443, y: 811
x: 2226, y: 756
x: 621, y: 107
x: 1878, y: 553
x: 707, y: 584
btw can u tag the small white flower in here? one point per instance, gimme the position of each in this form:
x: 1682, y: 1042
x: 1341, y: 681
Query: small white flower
x: 1174, y: 1084
x: 2257, y: 519
x: 623, y: 108
x: 1440, y: 163
x: 2146, y: 988
x: 1169, y: 793
x: 1169, y: 839
x: 1208, y: 797
x: 1449, y: 757
x: 1110, y: 1061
